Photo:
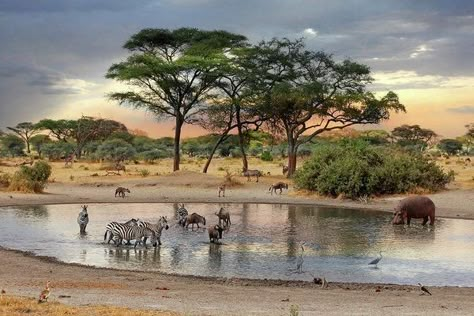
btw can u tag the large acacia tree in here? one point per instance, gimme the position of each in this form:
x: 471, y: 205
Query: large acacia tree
x: 25, y: 130
x: 171, y: 72
x: 321, y: 94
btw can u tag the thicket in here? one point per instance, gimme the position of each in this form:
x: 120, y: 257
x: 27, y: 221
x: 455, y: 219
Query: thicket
x: 356, y: 169
x: 31, y: 179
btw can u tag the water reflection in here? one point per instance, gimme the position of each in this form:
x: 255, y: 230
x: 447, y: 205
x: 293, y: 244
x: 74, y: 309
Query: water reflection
x: 262, y: 242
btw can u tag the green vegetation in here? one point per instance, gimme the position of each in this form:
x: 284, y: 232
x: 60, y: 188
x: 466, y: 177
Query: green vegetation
x: 356, y: 169
x: 31, y: 179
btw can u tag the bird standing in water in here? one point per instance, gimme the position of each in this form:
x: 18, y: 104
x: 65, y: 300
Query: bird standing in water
x: 424, y: 289
x: 44, y: 294
x: 300, y: 260
x: 376, y: 261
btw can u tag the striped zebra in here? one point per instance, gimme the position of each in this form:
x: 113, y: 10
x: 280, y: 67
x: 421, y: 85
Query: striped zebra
x: 182, y: 214
x: 83, y: 219
x: 157, y: 228
x: 134, y: 233
x: 112, y: 227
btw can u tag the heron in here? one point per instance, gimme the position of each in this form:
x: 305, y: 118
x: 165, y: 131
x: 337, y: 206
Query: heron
x: 424, y: 289
x: 377, y: 260
x: 300, y: 260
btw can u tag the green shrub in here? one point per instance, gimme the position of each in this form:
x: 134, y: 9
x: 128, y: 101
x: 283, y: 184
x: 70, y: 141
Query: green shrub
x: 31, y: 179
x: 356, y: 169
x: 144, y: 172
x: 266, y: 156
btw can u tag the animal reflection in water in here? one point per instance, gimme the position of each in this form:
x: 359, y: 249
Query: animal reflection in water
x: 300, y: 260
x: 127, y: 254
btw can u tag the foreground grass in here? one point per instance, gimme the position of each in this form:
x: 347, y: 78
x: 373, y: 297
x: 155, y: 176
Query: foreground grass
x: 14, y: 306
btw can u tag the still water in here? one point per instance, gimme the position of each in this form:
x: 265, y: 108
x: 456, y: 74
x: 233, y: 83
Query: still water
x: 262, y: 242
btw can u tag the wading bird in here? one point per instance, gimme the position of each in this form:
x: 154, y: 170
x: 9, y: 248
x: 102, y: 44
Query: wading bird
x: 424, y: 289
x: 300, y: 260
x: 376, y: 261
x: 44, y: 294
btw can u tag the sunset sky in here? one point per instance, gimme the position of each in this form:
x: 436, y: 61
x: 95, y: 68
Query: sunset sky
x: 54, y: 53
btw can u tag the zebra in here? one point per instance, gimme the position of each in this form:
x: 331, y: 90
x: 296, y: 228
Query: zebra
x: 112, y: 227
x: 134, y: 233
x: 182, y: 214
x: 157, y: 228
x: 83, y: 219
x: 249, y: 173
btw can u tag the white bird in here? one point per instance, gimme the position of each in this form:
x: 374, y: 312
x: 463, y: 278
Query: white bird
x: 424, y: 289
x: 377, y: 260
x: 300, y: 260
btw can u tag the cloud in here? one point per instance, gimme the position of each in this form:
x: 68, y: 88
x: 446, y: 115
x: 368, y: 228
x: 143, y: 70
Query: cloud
x: 310, y: 32
x: 76, y: 5
x: 464, y: 109
x: 407, y: 79
x: 420, y: 50
x: 49, y: 81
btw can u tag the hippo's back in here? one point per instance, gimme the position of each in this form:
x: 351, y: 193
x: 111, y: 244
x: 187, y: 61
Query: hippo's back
x: 417, y: 206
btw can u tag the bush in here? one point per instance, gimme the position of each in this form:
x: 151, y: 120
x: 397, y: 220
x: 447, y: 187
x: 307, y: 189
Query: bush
x: 356, y: 169
x: 144, y: 172
x: 266, y: 156
x: 5, y: 180
x: 56, y: 150
x: 116, y: 150
x: 31, y: 179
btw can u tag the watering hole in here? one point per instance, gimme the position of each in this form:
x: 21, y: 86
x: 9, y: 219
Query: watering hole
x: 262, y: 242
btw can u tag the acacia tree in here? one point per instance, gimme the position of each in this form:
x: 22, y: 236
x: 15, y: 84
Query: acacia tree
x: 320, y: 94
x: 172, y: 72
x: 61, y: 129
x: 413, y: 135
x: 25, y: 130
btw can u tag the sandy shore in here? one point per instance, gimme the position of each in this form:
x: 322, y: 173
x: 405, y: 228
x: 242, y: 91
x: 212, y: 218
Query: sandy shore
x: 23, y: 274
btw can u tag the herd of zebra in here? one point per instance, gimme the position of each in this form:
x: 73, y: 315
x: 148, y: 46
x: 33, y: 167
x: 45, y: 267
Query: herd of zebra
x: 141, y: 231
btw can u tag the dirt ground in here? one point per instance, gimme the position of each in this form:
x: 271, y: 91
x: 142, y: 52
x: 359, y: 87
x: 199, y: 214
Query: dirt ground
x: 24, y: 275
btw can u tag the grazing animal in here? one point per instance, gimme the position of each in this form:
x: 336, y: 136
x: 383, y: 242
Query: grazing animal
x: 182, y: 213
x: 423, y: 289
x: 215, y: 233
x: 252, y: 173
x: 135, y: 233
x: 285, y: 170
x: 278, y: 186
x: 43, y: 297
x: 83, y: 219
x: 377, y: 260
x: 157, y: 228
x: 224, y: 216
x: 69, y: 160
x: 220, y: 189
x: 121, y: 192
x: 414, y: 207
x: 194, y: 218
x: 112, y: 228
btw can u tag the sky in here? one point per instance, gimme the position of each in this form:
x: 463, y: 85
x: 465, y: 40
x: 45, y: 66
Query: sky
x: 54, y: 53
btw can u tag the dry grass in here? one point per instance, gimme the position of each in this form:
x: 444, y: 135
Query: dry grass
x: 14, y: 306
x: 464, y: 172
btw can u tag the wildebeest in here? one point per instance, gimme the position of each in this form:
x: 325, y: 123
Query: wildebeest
x: 120, y: 191
x: 194, y: 218
x: 278, y: 186
x: 215, y: 233
x: 224, y: 216
x: 252, y: 173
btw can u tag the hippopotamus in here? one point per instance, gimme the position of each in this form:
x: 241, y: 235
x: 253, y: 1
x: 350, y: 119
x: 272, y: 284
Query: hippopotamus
x: 414, y: 207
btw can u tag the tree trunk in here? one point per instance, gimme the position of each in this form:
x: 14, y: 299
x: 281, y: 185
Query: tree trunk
x: 292, y: 150
x: 177, y: 139
x: 208, y: 162
x: 245, y: 164
x: 28, y: 149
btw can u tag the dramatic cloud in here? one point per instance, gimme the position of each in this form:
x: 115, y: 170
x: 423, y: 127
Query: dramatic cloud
x: 56, y: 52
